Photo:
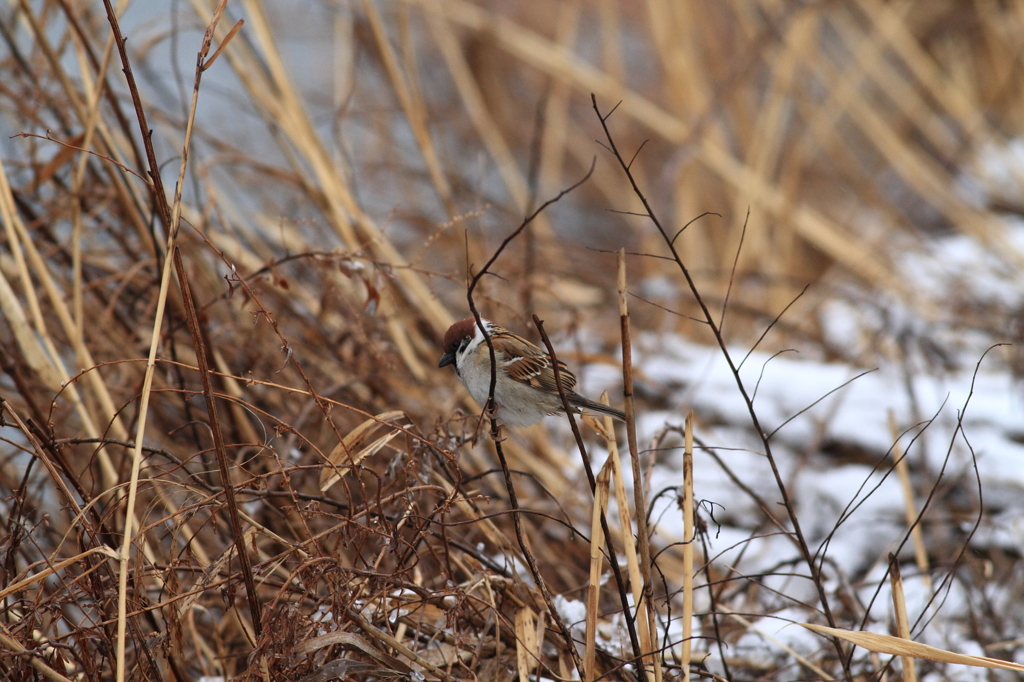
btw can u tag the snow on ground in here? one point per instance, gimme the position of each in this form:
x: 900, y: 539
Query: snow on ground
x: 958, y: 407
x: 832, y: 443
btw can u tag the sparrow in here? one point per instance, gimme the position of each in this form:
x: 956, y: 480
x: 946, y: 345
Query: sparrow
x: 524, y: 390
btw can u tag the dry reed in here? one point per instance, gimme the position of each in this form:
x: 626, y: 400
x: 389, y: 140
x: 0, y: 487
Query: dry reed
x: 351, y: 168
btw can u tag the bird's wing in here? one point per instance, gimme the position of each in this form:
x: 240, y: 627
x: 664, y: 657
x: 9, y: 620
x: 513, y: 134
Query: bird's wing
x: 528, y: 364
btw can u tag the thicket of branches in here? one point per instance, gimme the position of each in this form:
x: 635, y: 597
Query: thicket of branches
x: 256, y: 292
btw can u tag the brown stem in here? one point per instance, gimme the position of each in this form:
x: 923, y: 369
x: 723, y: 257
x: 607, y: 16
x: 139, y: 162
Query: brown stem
x: 710, y: 321
x: 490, y: 408
x: 171, y: 228
x: 627, y: 612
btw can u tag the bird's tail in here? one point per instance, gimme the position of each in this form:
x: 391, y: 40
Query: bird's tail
x: 578, y: 401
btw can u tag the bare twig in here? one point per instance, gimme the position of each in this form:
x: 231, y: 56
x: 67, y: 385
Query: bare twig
x: 490, y: 410
x: 613, y: 561
x: 791, y: 511
x: 639, y: 501
x: 170, y: 215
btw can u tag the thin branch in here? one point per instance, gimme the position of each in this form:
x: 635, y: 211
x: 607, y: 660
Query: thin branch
x: 753, y: 396
x: 837, y: 388
x: 636, y: 153
x: 667, y: 310
x: 691, y: 221
x: 627, y: 612
x: 770, y: 325
x: 491, y: 410
x: 787, y: 502
x: 632, y: 213
x: 633, y: 253
x: 732, y: 273
x: 170, y: 214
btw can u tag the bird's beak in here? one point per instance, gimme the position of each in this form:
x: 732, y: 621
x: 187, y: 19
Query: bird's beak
x: 447, y: 359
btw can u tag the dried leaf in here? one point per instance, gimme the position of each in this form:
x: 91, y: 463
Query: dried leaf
x: 597, y: 423
x: 896, y: 646
x: 345, y: 454
x: 527, y: 652
x: 372, y: 296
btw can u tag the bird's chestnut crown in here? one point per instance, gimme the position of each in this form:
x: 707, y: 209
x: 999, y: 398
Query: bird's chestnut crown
x: 456, y: 338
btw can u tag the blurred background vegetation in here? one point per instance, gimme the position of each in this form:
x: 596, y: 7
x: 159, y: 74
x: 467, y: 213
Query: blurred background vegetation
x: 354, y: 161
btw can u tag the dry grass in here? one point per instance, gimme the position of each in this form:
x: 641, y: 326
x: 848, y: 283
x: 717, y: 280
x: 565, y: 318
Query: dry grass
x: 348, y: 162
